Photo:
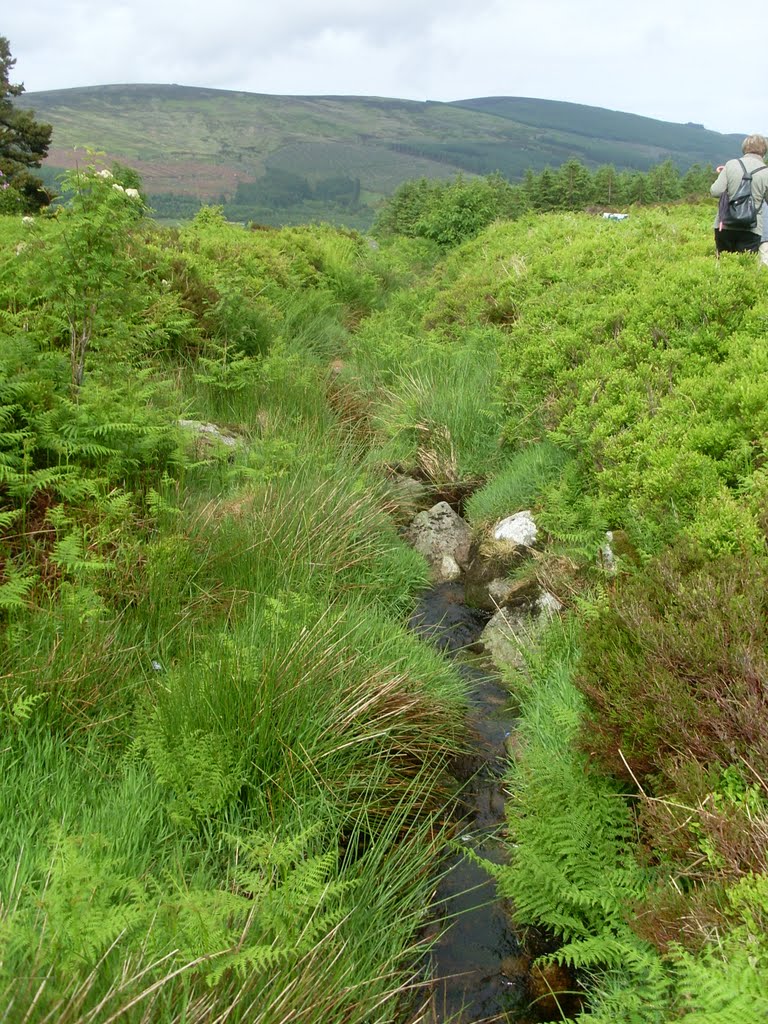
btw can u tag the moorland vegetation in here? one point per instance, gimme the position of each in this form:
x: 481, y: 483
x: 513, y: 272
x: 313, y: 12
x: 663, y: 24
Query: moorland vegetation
x: 225, y: 763
x: 295, y: 159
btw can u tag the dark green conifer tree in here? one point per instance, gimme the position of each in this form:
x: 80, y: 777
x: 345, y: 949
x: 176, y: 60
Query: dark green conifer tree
x: 576, y: 186
x: 696, y: 180
x: 606, y: 186
x: 547, y: 196
x: 24, y: 141
x: 663, y: 183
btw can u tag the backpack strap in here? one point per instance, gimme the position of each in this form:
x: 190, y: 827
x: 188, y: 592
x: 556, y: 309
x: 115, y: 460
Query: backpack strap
x: 750, y: 174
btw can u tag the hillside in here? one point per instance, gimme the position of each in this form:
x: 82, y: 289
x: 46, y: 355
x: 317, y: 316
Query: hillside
x: 285, y: 159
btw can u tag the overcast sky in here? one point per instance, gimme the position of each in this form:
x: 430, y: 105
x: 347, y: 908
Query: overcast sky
x: 669, y: 59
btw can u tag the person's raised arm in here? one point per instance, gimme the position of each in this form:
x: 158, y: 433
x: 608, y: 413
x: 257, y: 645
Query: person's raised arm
x: 720, y: 184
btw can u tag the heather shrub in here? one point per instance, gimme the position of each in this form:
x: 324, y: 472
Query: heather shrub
x: 674, y: 667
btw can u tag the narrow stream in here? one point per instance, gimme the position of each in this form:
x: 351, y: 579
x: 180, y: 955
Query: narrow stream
x: 479, y: 964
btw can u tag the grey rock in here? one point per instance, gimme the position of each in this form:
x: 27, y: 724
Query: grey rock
x: 547, y: 606
x: 512, y: 633
x: 407, y: 496
x: 209, y: 430
x: 507, y: 637
x: 443, y: 538
x: 486, y: 581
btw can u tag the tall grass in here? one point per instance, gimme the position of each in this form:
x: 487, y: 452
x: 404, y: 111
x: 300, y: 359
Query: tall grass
x: 224, y: 760
x: 442, y: 412
x: 518, y: 484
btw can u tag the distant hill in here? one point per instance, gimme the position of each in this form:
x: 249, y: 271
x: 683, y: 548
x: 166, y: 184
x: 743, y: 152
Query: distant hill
x: 284, y: 159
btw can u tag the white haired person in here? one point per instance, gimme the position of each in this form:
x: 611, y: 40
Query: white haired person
x: 743, y: 239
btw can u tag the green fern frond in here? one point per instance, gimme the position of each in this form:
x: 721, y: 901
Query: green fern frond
x: 199, y: 767
x: 726, y: 988
x: 69, y: 554
x: 13, y: 592
x: 160, y: 506
x: 88, y: 450
x: 250, y: 960
x: 6, y: 518
x: 26, y: 484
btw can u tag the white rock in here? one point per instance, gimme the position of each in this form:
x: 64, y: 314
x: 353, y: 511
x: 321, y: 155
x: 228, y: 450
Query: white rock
x: 518, y: 529
x: 548, y: 605
x: 449, y: 568
x: 607, y: 557
x: 209, y: 428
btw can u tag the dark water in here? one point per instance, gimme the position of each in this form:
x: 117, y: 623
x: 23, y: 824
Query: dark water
x: 479, y: 963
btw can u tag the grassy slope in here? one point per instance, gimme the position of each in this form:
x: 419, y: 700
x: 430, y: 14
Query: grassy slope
x: 202, y: 141
x: 600, y: 123
x: 627, y: 344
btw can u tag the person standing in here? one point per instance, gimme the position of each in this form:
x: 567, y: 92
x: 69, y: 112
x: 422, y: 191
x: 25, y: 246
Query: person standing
x: 728, y: 180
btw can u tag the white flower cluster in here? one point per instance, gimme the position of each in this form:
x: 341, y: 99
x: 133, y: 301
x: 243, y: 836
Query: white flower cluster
x: 132, y: 192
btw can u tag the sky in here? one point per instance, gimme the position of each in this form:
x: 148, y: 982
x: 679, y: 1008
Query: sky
x: 660, y: 58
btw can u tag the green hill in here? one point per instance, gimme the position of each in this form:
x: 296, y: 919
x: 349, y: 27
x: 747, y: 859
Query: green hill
x: 286, y: 159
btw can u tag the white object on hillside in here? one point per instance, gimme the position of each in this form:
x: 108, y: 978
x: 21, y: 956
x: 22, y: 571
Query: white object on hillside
x: 606, y: 555
x: 615, y: 216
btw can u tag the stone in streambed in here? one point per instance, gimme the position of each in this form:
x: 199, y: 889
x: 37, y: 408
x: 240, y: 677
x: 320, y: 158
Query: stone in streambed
x: 494, y: 557
x: 486, y: 581
x: 512, y: 633
x: 443, y: 538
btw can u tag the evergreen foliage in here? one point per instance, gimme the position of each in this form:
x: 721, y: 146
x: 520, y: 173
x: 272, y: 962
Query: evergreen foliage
x: 24, y: 143
x: 451, y: 212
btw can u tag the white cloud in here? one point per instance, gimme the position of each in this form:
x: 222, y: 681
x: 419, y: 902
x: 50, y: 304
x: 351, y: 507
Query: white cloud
x: 660, y: 59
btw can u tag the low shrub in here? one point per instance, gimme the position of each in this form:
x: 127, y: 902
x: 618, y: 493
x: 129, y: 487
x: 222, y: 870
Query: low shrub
x: 675, y: 667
